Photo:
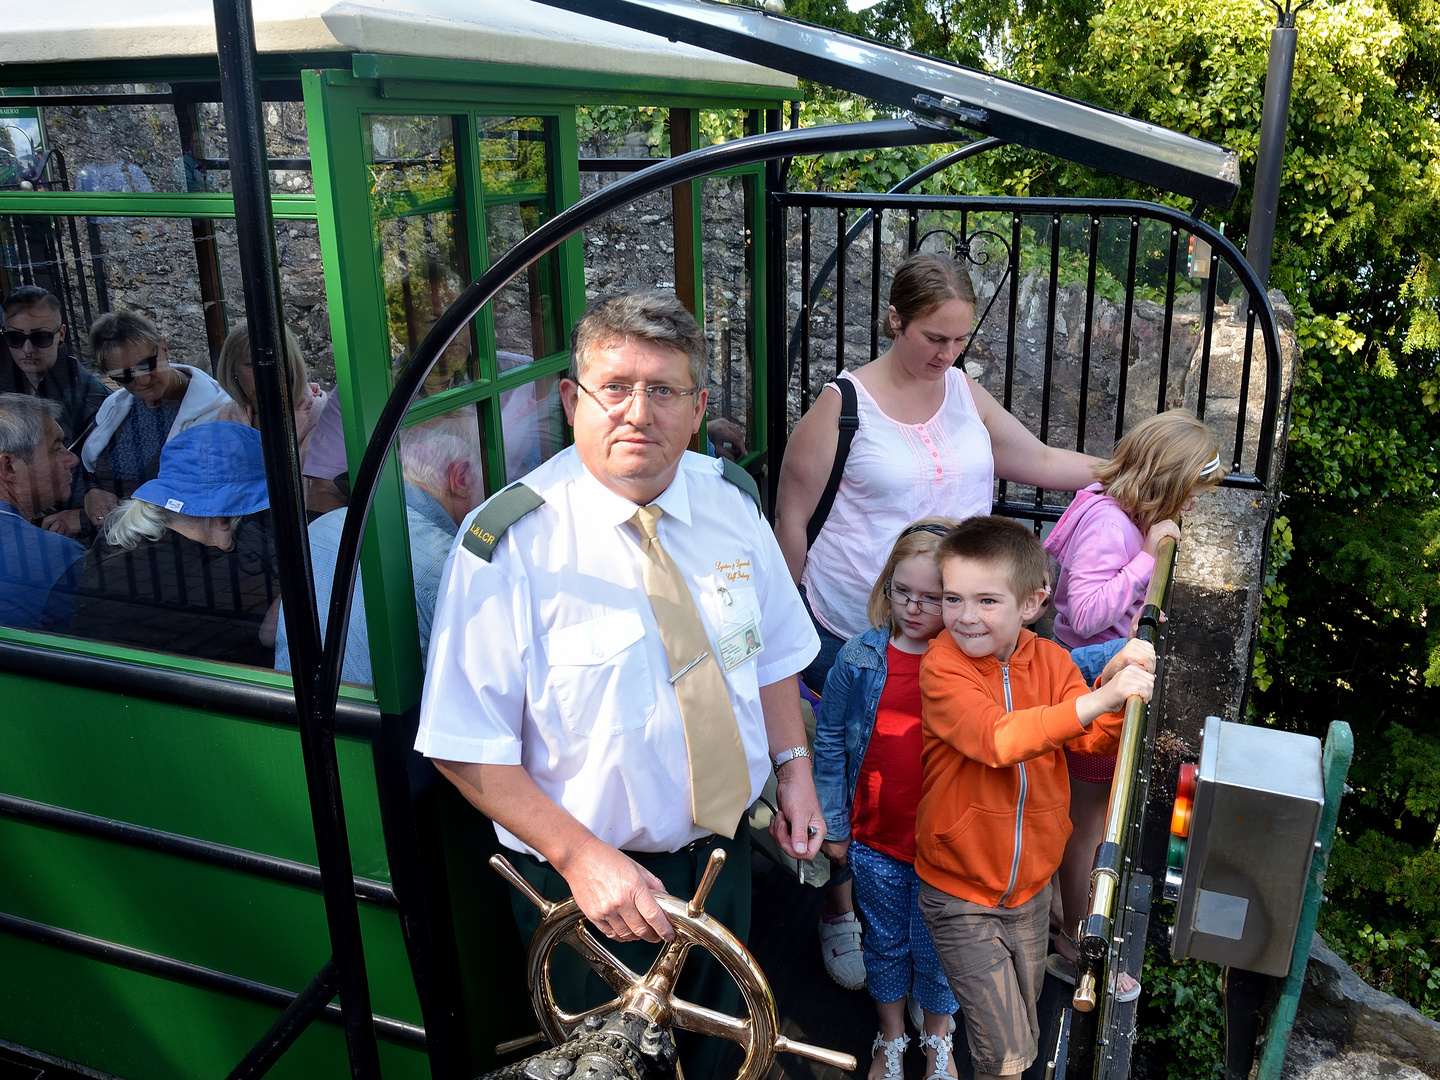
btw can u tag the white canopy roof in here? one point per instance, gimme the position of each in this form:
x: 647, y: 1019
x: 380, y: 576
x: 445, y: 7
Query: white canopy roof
x: 500, y: 31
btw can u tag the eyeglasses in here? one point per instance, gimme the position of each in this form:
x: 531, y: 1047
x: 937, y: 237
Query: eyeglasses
x: 611, y: 396
x: 125, y: 376
x: 904, y: 597
x: 41, y: 339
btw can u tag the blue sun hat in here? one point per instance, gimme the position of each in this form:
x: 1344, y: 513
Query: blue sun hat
x: 210, y: 470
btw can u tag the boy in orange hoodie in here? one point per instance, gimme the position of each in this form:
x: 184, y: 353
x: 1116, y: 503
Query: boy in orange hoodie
x: 998, y: 707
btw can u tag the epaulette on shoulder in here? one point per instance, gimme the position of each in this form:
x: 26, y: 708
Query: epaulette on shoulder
x: 497, y: 515
x: 741, y: 479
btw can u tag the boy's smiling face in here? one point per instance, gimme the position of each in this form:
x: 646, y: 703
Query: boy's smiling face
x: 980, y: 610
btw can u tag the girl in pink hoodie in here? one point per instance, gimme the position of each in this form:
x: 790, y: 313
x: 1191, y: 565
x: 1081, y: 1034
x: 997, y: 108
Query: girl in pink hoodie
x: 1106, y: 540
x: 1105, y: 545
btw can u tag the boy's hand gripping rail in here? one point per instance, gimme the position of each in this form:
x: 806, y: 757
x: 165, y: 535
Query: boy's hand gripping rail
x: 1122, y: 823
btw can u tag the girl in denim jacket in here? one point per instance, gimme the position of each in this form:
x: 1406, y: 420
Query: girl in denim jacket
x: 867, y: 736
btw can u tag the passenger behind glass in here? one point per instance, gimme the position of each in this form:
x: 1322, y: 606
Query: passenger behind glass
x: 38, y: 569
x: 235, y: 371
x: 37, y: 363
x: 187, y: 565
x: 444, y: 480
x: 124, y: 449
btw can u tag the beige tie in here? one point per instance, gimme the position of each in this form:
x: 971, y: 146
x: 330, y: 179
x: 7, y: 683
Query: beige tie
x: 719, y: 773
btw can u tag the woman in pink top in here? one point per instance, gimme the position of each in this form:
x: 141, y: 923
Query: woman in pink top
x: 235, y: 371
x: 930, y: 443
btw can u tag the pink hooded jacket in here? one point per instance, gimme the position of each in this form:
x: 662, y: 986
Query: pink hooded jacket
x: 1103, y: 570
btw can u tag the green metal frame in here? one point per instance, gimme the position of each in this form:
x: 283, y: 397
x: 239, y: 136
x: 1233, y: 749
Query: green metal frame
x: 1335, y: 763
x: 236, y: 780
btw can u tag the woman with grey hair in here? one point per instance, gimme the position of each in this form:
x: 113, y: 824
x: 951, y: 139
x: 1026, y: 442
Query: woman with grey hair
x: 187, y: 564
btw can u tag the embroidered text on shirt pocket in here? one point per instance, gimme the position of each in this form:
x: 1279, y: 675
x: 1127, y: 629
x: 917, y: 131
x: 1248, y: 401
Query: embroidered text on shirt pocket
x: 600, y: 675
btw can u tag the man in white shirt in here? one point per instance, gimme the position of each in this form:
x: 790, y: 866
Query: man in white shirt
x: 550, y: 701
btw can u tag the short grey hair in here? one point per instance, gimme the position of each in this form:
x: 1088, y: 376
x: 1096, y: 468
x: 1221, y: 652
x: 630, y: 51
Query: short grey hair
x: 428, y: 449
x: 22, y: 424
x: 646, y: 316
x: 136, y: 521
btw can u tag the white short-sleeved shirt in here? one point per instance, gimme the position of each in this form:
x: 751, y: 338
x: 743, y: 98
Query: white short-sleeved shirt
x: 549, y: 655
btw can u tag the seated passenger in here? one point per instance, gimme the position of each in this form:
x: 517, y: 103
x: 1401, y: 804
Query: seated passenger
x: 444, y: 481
x: 39, y: 366
x: 324, y: 469
x: 38, y: 569
x: 235, y: 371
x: 124, y: 449
x: 187, y: 564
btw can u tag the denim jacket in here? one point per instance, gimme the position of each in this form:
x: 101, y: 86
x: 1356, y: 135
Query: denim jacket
x: 843, y: 725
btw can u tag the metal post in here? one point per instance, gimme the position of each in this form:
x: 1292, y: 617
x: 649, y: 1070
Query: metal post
x: 1274, y: 118
x: 254, y: 225
x: 1335, y: 763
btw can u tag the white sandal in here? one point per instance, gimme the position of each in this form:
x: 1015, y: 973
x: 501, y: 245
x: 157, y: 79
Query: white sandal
x: 893, y: 1049
x: 942, y: 1045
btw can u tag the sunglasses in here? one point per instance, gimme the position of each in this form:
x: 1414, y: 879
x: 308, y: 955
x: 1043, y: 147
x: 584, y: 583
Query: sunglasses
x: 41, y: 339
x: 125, y: 376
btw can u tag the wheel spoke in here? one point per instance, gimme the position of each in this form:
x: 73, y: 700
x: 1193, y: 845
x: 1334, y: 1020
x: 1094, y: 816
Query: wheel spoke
x: 605, y: 964
x: 691, y: 1017
x: 571, y: 1021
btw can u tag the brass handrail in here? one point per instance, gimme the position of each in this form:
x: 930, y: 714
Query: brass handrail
x: 1121, y: 828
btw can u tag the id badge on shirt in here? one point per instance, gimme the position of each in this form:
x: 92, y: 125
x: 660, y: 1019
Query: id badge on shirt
x: 740, y: 636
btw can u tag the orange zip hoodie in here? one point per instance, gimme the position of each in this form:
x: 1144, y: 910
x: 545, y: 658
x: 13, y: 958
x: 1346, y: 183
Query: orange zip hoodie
x: 995, y: 800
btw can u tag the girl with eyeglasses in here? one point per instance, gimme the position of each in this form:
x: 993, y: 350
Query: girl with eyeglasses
x: 124, y: 449
x: 868, y: 775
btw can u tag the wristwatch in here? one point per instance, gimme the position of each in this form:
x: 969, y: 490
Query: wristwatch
x: 790, y: 755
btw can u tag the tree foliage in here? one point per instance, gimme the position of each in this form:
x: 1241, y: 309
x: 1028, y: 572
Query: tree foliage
x: 1348, y: 631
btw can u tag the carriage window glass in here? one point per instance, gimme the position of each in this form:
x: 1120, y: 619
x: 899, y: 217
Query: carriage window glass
x: 287, y: 146
x: 152, y: 138
x: 518, y: 191
x: 728, y: 299
x: 419, y: 237
x: 634, y: 247
x: 527, y: 309
x: 167, y: 507
x: 533, y: 424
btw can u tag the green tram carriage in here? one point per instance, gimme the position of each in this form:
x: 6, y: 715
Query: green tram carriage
x: 160, y: 901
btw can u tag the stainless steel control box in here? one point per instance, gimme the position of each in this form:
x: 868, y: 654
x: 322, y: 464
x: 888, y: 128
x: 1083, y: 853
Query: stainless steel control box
x: 1258, y: 797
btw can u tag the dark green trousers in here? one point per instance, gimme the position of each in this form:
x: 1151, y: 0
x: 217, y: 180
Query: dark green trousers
x: 702, y: 980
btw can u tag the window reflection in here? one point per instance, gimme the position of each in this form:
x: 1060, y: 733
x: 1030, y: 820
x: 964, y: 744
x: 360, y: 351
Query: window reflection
x: 727, y: 257
x: 518, y: 190
x: 533, y: 421
x: 419, y: 236
x: 442, y: 462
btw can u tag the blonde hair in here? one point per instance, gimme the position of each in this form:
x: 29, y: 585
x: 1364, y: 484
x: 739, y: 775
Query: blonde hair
x: 237, y: 348
x: 918, y: 538
x: 1159, y: 464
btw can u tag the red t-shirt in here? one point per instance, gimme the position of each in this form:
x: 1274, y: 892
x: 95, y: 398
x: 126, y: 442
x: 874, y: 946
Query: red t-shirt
x: 888, y: 789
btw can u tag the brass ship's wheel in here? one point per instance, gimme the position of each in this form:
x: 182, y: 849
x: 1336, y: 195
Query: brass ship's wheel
x: 652, y: 994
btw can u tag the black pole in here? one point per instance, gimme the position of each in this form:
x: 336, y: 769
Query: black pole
x: 1274, y: 118
x: 254, y: 226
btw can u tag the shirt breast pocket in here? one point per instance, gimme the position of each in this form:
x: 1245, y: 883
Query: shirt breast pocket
x: 600, y: 675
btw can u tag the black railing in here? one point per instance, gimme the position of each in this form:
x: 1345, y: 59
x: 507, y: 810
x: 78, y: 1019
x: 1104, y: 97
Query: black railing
x: 1094, y: 315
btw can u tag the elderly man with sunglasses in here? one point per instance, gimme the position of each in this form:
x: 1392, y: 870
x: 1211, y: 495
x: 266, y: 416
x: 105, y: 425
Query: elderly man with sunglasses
x: 613, y: 659
x: 124, y: 449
